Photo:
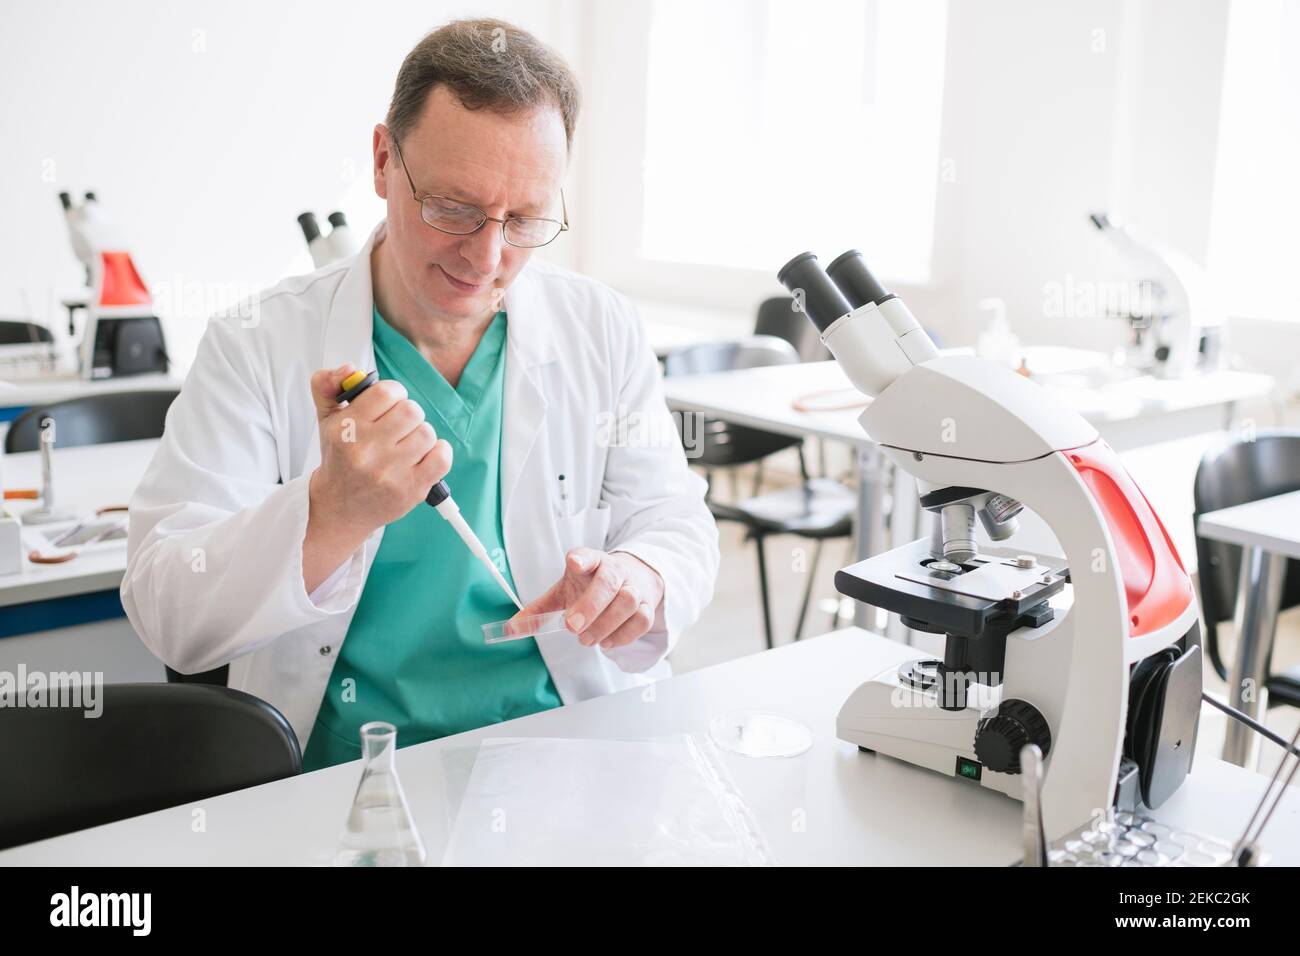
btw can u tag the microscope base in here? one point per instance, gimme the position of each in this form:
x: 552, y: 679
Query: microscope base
x: 887, y: 716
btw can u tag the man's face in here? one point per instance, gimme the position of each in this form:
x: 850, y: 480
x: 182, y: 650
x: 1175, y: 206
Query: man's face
x: 506, y: 164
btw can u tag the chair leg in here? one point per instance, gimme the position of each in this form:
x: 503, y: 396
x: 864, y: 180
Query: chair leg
x: 758, y: 478
x: 762, y: 590
x: 807, y: 590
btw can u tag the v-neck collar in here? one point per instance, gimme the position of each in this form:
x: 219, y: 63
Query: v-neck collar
x: 455, y: 406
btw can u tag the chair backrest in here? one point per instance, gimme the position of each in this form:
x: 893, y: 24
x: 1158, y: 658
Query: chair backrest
x: 718, y: 444
x: 220, y: 676
x: 754, y: 352
x: 1233, y: 473
x: 777, y: 316
x: 22, y: 332
x: 94, y: 419
x: 152, y: 746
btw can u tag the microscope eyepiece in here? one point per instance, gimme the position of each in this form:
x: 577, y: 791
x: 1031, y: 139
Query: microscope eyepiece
x: 310, y: 227
x: 850, y: 273
x: 821, y: 301
x: 874, y: 346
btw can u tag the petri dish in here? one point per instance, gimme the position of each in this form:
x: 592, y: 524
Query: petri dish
x: 757, y: 733
x: 517, y: 628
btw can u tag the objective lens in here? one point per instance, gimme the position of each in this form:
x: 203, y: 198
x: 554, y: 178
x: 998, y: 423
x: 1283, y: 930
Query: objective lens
x: 957, y: 522
x: 998, y: 516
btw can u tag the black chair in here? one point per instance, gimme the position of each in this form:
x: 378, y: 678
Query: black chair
x: 94, y: 419
x: 22, y: 332
x: 1234, y: 473
x: 153, y: 746
x: 777, y: 316
x: 817, y: 509
x: 729, y: 445
x: 218, y: 676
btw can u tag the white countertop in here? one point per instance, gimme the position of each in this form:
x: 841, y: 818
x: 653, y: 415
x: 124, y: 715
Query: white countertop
x: 42, y: 391
x: 85, y: 478
x: 830, y: 806
x: 764, y: 398
x: 1269, y: 523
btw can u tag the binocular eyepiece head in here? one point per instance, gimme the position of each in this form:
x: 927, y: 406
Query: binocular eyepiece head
x: 824, y: 295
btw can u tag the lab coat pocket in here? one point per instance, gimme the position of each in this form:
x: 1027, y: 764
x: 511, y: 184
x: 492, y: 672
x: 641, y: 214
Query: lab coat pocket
x: 584, y: 529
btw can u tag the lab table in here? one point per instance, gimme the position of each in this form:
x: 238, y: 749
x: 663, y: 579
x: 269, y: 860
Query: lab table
x: 1268, y: 532
x: 85, y: 478
x: 832, y: 805
x: 17, y: 395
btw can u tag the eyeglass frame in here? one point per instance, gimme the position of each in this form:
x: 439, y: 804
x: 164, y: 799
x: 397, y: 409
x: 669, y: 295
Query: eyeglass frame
x: 416, y: 195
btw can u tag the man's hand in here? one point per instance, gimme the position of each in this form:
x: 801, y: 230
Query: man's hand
x: 379, y: 458
x: 611, y: 597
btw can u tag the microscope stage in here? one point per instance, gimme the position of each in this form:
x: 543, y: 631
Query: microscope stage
x: 990, y: 586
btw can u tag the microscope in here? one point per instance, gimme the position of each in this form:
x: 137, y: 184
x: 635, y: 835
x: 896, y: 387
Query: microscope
x: 121, y: 334
x: 1180, y: 331
x: 1092, y: 656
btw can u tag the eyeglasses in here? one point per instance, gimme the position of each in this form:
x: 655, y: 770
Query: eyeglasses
x: 462, y: 219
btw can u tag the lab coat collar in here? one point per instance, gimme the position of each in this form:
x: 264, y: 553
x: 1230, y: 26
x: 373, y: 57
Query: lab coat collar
x: 529, y: 342
x: 529, y: 328
x: 349, y: 324
x: 348, y: 329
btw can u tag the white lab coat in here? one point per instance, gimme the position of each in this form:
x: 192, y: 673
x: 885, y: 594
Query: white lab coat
x: 214, y: 567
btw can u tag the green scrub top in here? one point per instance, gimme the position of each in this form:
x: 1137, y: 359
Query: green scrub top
x: 414, y: 654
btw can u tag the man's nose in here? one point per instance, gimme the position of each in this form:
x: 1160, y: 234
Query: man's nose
x: 483, y: 249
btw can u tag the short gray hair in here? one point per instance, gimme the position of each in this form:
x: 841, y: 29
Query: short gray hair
x: 487, y: 64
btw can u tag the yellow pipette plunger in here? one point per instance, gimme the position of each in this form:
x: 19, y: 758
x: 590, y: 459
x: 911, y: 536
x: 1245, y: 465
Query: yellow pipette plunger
x: 439, y: 495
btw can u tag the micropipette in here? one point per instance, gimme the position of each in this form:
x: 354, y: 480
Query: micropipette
x: 439, y: 495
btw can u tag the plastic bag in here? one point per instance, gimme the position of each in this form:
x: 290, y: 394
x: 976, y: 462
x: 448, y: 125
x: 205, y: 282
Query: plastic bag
x: 542, y: 801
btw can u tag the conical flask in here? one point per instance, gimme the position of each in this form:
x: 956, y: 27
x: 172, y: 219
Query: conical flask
x: 379, y: 830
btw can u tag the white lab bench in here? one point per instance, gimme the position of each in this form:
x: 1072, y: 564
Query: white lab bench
x: 832, y: 805
x: 1129, y: 413
x: 25, y: 393
x: 1268, y: 532
x: 85, y: 478
x: 57, y: 617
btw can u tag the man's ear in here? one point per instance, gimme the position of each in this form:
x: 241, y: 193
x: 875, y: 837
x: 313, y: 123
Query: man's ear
x: 383, y: 156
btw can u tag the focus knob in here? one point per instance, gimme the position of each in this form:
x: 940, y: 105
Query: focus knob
x: 999, y: 739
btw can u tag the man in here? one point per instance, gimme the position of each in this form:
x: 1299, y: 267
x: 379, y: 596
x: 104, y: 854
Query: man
x: 286, y: 535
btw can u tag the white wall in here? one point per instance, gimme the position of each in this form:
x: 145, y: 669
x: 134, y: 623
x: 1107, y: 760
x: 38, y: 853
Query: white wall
x: 1051, y: 111
x: 1028, y: 120
x: 1055, y: 110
